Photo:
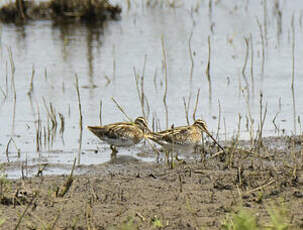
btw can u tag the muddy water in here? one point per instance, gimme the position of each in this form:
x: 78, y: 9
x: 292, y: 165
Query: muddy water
x: 105, y: 57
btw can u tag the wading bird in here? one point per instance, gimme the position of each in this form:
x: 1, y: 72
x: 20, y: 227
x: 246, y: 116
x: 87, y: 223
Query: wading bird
x: 121, y: 134
x: 183, y: 138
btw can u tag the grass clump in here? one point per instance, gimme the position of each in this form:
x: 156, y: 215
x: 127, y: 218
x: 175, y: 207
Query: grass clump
x: 245, y: 220
x: 59, y: 10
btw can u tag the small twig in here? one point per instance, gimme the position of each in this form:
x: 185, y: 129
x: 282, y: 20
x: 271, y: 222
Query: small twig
x: 186, y: 108
x: 56, y: 219
x: 260, y: 187
x: 252, y: 64
x: 180, y: 182
x: 196, y: 105
x: 80, y: 117
x: 25, y: 210
x: 7, y: 148
x: 31, y: 86
x: 219, y: 120
x: 140, y: 216
x: 263, y: 44
x: 13, y: 70
x: 64, y: 189
x: 165, y: 80
x: 41, y: 169
x: 100, y: 113
x: 293, y: 51
x: 114, y: 62
x: 208, y: 68
x: 121, y: 109
x: 191, y: 57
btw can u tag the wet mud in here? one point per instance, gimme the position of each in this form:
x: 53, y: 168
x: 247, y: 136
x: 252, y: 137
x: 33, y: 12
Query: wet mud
x: 196, y: 194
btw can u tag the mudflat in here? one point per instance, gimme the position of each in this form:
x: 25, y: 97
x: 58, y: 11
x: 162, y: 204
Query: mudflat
x: 195, y: 194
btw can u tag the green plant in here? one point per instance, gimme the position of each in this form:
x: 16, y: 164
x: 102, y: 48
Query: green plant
x: 279, y: 218
x: 4, y: 185
x: 157, y: 222
x: 243, y: 220
x: 128, y: 224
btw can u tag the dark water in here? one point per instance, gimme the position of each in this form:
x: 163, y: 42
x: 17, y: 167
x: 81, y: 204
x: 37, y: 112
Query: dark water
x: 105, y: 57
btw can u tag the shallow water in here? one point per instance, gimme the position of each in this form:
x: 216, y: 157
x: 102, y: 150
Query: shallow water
x: 104, y: 58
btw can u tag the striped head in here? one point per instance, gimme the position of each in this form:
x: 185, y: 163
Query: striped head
x: 201, y: 125
x: 142, y: 123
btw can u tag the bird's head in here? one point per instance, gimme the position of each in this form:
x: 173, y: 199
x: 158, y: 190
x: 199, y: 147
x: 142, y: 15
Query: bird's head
x: 201, y: 125
x: 142, y: 123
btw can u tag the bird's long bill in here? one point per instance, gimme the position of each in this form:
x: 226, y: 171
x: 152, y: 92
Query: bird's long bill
x: 214, y: 140
x: 93, y: 129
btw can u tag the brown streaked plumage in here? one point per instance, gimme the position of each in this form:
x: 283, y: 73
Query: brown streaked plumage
x: 183, y: 138
x: 121, y: 133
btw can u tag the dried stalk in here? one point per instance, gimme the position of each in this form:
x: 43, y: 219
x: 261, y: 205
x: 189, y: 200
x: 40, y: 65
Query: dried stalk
x: 196, y: 105
x: 191, y: 57
x: 219, y: 121
x: 208, y: 69
x: 31, y: 86
x: 263, y: 48
x: 13, y: 70
x: 11, y: 140
x: 100, y: 113
x: 265, y: 20
x: 186, y: 108
x: 24, y: 212
x: 293, y: 51
x: 121, y: 109
x: 80, y: 117
x: 164, y: 62
x: 66, y: 186
x: 245, y: 62
x: 252, y: 64
x: 142, y: 87
x: 38, y: 131
x: 114, y: 62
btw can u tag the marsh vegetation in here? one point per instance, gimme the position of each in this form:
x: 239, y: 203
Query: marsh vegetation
x: 233, y: 64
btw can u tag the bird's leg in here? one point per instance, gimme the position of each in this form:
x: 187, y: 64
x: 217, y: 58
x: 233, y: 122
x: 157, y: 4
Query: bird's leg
x: 200, y: 150
x: 172, y: 163
x: 114, y: 152
x: 181, y: 161
x: 167, y: 157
